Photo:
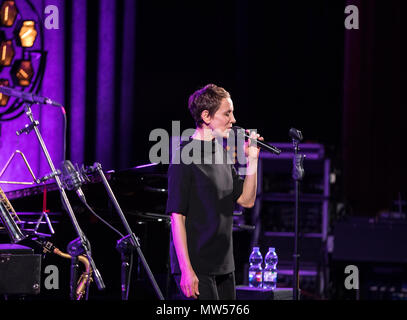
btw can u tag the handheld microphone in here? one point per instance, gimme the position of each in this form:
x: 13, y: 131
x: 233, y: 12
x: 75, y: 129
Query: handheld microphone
x: 29, y: 97
x: 259, y: 143
x: 72, y: 180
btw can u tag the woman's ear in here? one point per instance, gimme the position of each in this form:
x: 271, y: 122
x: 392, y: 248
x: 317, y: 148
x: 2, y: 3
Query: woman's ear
x: 206, y: 117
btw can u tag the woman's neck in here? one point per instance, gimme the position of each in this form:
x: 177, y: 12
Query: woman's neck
x: 203, y: 133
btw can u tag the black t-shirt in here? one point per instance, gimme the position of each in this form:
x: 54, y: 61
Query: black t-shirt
x: 206, y: 194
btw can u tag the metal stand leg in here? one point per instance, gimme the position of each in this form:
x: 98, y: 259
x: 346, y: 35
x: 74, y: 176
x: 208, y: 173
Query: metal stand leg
x: 74, y: 277
x: 297, y: 174
x: 84, y: 243
x: 130, y: 242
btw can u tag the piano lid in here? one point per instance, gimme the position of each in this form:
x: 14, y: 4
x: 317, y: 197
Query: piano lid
x: 138, y: 188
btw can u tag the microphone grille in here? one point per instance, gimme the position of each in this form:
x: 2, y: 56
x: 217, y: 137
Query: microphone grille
x: 70, y: 177
x: 295, y: 134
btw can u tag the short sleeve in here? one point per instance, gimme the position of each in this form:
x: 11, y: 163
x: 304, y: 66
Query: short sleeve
x: 179, y: 183
x: 237, y: 184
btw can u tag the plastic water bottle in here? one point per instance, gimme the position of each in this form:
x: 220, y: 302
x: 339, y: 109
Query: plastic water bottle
x: 270, y: 269
x: 255, y: 268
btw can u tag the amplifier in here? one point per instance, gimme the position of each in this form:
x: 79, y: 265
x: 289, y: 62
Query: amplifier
x: 20, y: 272
x: 248, y: 293
x: 359, y: 239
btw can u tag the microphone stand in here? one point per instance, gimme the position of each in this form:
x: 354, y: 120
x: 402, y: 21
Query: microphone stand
x: 81, y: 244
x: 127, y: 244
x: 297, y: 174
x: 73, y: 277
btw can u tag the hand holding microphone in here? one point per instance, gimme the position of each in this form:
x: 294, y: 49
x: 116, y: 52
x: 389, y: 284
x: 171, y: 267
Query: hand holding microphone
x: 258, y: 141
x: 252, y: 149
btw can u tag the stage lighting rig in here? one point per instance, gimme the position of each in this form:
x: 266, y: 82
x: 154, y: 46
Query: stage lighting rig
x: 8, y: 13
x: 22, y: 53
x: 23, y: 73
x: 4, y: 98
x: 27, y: 34
x: 7, y: 53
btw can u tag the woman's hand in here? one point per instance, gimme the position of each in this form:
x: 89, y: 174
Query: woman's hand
x: 189, y: 284
x: 251, y: 150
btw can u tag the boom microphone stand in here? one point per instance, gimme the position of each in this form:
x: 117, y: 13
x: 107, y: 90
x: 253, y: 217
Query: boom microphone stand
x: 297, y: 174
x: 127, y: 244
x: 81, y: 244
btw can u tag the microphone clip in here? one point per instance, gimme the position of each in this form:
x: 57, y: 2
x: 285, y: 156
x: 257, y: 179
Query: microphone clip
x: 49, y: 176
x: 28, y: 128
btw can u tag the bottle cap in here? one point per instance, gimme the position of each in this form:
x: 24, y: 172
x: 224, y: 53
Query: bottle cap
x: 255, y: 248
x: 272, y: 249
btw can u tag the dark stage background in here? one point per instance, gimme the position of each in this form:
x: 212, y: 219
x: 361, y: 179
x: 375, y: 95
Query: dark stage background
x: 128, y: 67
x: 124, y: 68
x: 282, y: 63
x: 286, y: 64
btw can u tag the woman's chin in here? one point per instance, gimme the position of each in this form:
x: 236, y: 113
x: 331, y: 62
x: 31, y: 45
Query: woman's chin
x: 221, y: 134
x: 225, y: 134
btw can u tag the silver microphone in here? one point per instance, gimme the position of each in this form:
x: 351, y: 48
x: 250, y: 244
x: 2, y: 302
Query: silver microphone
x: 72, y: 179
x: 28, y: 96
x: 261, y: 144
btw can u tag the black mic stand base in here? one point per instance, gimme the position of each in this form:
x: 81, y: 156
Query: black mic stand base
x: 126, y: 249
x: 127, y: 244
x: 73, y: 277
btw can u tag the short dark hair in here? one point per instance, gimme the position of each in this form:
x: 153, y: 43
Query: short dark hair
x: 207, y: 98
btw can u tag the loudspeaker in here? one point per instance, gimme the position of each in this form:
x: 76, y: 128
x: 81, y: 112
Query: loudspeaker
x: 248, y: 293
x: 358, y: 239
x: 20, y: 270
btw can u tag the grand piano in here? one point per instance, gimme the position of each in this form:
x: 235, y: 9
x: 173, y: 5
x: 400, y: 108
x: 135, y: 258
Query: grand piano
x: 142, y: 194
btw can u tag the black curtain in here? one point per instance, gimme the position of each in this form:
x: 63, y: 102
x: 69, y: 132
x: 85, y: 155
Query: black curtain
x: 373, y: 135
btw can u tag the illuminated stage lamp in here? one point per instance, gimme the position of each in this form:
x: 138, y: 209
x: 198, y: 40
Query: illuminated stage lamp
x: 3, y: 98
x: 6, y: 53
x: 8, y: 13
x: 22, y: 72
x: 27, y: 34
